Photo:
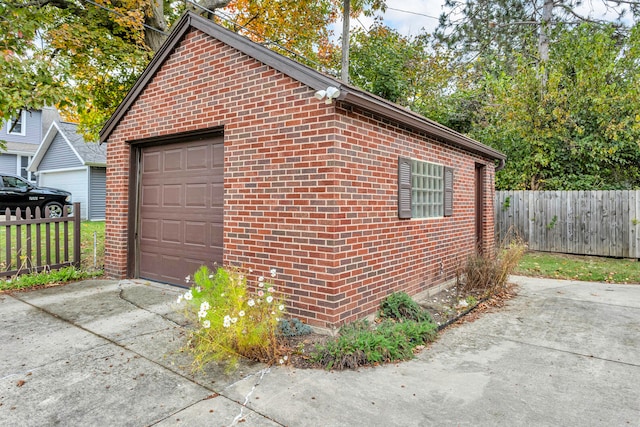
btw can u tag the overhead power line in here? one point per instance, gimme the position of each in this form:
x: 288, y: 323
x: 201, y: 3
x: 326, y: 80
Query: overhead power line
x: 414, y: 13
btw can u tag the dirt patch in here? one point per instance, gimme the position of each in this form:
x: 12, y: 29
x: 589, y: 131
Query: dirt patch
x: 445, y: 308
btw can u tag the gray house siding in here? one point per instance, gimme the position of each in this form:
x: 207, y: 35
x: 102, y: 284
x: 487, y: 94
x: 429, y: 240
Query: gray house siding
x: 97, y: 192
x: 8, y: 163
x: 33, y: 130
x: 59, y: 156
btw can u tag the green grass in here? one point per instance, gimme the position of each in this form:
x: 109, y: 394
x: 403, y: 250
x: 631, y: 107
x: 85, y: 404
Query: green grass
x: 45, y: 278
x: 587, y: 268
x: 90, y: 265
x: 87, y: 228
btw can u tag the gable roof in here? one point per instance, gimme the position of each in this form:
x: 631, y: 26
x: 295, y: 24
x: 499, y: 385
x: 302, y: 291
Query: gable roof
x: 88, y: 153
x: 306, y: 75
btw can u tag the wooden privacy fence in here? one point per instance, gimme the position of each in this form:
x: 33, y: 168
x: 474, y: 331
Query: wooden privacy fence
x: 605, y: 223
x: 34, y: 244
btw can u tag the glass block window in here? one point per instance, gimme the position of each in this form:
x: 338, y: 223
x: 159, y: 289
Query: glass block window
x: 427, y: 185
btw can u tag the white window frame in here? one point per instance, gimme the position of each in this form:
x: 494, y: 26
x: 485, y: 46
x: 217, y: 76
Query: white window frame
x: 23, y: 125
x: 30, y: 176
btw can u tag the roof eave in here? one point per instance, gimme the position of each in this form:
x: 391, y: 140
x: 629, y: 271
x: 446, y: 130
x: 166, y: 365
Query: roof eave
x: 300, y: 72
x: 430, y: 127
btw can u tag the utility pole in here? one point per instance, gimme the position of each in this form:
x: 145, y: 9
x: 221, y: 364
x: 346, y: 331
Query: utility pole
x: 345, y: 40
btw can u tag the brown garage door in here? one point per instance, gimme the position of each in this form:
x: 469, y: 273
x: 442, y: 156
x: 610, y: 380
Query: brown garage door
x: 181, y: 203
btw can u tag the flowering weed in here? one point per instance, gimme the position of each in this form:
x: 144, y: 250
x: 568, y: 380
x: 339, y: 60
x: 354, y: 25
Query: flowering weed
x: 232, y: 321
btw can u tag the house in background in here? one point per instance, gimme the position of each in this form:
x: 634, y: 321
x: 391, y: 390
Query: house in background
x: 22, y: 138
x: 65, y: 161
x: 227, y: 152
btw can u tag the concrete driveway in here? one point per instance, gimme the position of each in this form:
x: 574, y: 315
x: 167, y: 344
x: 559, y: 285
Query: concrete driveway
x: 107, y: 353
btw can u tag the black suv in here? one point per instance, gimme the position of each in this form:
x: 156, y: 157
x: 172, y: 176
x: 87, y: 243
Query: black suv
x: 16, y: 192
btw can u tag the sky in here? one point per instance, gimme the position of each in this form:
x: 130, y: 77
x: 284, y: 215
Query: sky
x: 410, y: 17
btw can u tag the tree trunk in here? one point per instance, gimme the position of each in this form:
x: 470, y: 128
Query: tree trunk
x: 154, y: 17
x: 545, y: 29
x: 543, y: 38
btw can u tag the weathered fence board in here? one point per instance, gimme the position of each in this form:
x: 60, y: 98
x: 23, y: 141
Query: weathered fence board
x: 605, y: 223
x: 58, y: 251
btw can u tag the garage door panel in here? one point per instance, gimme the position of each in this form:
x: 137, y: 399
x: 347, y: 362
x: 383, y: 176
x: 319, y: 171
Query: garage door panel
x: 198, y: 158
x: 195, y: 233
x: 172, y: 160
x: 151, y: 195
x: 172, y: 195
x: 150, y: 162
x: 74, y: 181
x: 181, y: 223
x: 196, y: 195
x: 171, y: 231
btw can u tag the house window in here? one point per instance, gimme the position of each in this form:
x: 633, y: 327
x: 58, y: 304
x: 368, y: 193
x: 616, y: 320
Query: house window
x: 23, y: 163
x: 425, y: 190
x: 17, y: 126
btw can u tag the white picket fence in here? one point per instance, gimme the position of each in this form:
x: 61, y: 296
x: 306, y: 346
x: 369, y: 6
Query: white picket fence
x: 605, y: 223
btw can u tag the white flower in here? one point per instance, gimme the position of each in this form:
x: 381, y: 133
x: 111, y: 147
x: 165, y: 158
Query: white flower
x: 270, y: 290
x: 234, y: 319
x: 188, y: 295
x: 251, y: 270
x: 227, y: 321
x: 205, y: 306
x: 179, y: 300
x: 281, y: 361
x: 261, y: 279
x: 211, y: 276
x: 269, y: 299
x: 202, y: 314
x: 273, y: 272
x: 260, y: 293
x: 206, y: 324
x: 251, y: 303
x: 281, y: 307
x: 188, y: 278
x: 241, y: 314
x: 198, y: 288
x: 261, y: 285
x: 285, y: 358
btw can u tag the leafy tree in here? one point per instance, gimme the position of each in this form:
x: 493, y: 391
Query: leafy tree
x: 411, y: 71
x: 575, y: 128
x: 84, y: 55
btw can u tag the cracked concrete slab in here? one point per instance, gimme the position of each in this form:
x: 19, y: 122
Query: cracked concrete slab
x: 110, y: 353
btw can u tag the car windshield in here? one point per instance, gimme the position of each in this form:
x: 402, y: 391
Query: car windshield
x: 15, y: 182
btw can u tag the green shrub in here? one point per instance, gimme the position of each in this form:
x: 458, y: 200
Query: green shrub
x: 293, y: 328
x: 400, y: 306
x: 359, y: 345
x: 232, y: 321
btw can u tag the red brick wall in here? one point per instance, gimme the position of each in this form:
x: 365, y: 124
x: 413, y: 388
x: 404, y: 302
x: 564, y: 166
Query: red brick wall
x: 310, y: 189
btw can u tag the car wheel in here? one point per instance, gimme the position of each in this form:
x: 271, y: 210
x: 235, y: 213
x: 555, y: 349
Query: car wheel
x: 55, y: 209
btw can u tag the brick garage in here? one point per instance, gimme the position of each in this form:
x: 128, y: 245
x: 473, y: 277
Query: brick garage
x: 320, y: 192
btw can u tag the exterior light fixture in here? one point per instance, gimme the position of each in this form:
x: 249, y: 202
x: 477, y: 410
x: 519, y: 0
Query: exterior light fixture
x: 328, y: 94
